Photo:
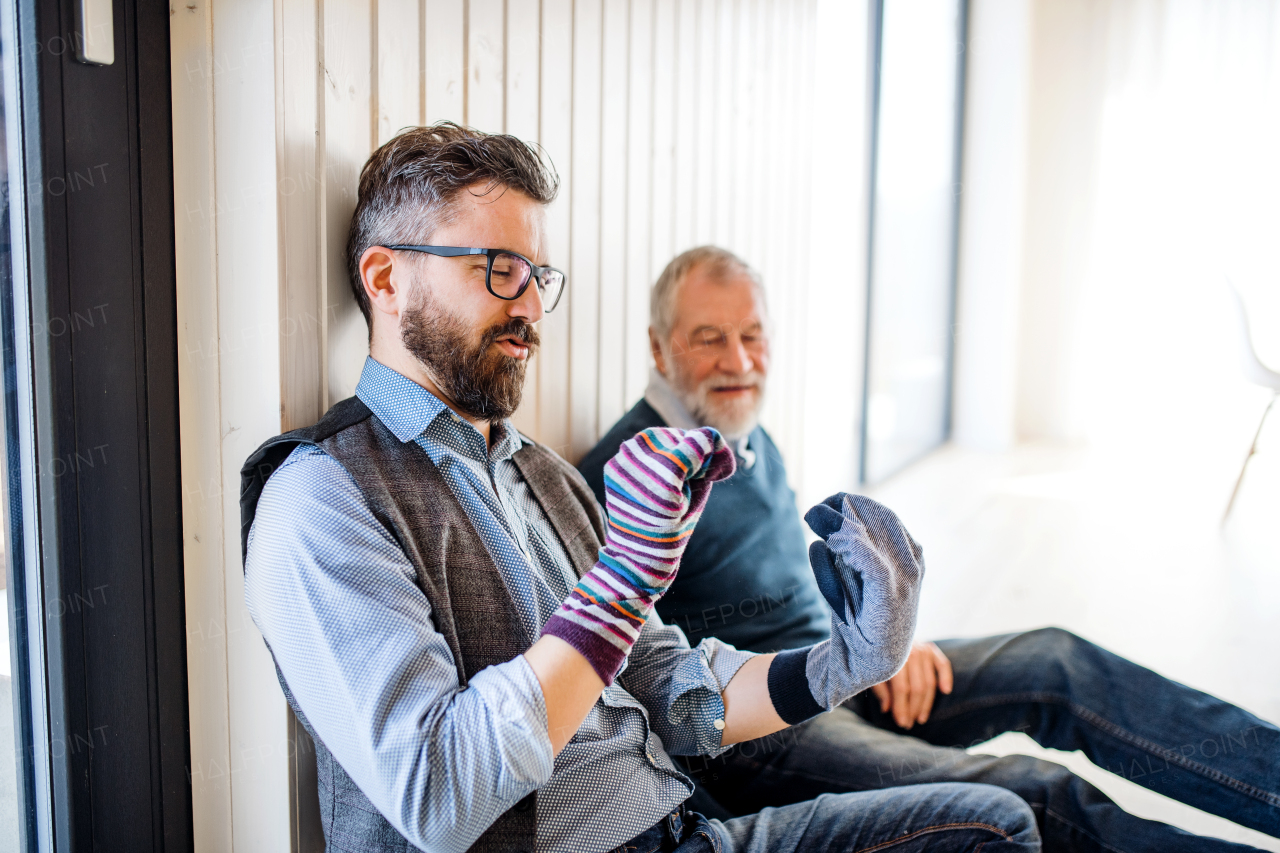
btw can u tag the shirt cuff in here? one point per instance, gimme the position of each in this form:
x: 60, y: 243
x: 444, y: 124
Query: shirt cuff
x: 697, y: 686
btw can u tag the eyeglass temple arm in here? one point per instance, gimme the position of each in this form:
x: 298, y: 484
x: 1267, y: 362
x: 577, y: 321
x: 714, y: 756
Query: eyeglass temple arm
x: 442, y: 251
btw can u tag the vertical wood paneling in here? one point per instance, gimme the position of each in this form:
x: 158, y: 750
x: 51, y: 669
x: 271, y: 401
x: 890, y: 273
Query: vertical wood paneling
x: 486, y: 57
x: 444, y: 51
x: 686, y: 126
x: 584, y: 215
x: 613, y: 212
x: 200, y: 414
x: 522, y: 78
x: 784, y: 259
x: 727, y: 50
x: 348, y: 106
x: 524, y: 53
x: 766, y: 211
x: 397, y: 94
x: 744, y: 128
x: 299, y: 140
x: 299, y: 143
x: 639, y: 277
x: 246, y: 170
x: 704, y: 199
x: 663, y: 180
x: 555, y: 131
x: 748, y: 137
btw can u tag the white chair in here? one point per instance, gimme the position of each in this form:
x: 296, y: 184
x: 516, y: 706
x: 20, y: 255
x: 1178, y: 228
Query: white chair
x: 1257, y: 373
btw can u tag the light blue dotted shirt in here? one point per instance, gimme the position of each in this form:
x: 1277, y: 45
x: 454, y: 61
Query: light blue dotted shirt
x: 337, y: 600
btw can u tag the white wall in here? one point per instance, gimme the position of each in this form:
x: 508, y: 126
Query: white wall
x: 827, y: 458
x: 672, y: 123
x: 992, y: 210
x: 1112, y: 150
x: 1035, y: 90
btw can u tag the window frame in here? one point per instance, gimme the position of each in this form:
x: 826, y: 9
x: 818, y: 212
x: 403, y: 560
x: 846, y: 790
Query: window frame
x: 102, y: 546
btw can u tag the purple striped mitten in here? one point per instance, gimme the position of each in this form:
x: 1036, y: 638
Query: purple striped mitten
x: 655, y: 488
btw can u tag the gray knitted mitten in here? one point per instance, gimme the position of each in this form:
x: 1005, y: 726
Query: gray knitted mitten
x: 869, y: 570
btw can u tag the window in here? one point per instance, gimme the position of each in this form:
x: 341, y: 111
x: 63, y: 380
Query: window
x: 918, y: 89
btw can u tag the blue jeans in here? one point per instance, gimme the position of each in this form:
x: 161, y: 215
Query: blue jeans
x: 1067, y: 694
x: 914, y: 819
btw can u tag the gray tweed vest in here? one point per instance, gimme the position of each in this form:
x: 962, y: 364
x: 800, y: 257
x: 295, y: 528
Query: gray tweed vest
x: 471, y: 605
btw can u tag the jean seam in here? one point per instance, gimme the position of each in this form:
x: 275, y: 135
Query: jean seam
x: 942, y: 827
x: 1108, y: 727
x: 1095, y: 839
x: 711, y: 837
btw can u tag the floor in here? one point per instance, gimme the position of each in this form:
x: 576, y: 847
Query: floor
x: 1123, y: 546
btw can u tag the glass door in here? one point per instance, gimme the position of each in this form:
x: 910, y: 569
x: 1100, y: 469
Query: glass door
x: 24, y: 745
x: 915, y: 175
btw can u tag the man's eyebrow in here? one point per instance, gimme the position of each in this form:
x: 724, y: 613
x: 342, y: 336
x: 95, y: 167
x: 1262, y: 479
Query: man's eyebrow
x: 706, y: 327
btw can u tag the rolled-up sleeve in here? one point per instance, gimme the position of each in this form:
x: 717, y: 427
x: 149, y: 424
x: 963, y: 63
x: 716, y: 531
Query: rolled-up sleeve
x: 681, y: 687
x: 335, y: 598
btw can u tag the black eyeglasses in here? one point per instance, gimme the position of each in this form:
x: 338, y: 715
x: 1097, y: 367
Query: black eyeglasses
x: 509, y: 273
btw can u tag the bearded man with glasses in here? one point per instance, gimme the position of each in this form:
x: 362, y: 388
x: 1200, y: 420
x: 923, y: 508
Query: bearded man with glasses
x: 467, y: 636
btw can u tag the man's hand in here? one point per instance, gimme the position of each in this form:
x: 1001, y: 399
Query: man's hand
x: 655, y: 488
x: 909, y: 694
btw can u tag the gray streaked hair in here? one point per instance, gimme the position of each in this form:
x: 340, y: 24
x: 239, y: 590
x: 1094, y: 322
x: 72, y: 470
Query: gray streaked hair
x: 408, y: 186
x: 716, y: 262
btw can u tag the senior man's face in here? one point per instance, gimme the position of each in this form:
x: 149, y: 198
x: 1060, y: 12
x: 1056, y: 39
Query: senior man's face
x: 475, y: 345
x: 717, y: 356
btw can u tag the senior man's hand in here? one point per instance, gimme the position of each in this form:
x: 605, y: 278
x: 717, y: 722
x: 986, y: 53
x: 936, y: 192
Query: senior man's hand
x: 910, y: 693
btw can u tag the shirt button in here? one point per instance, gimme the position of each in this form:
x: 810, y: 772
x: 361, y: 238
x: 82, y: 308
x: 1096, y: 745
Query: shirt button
x: 719, y: 724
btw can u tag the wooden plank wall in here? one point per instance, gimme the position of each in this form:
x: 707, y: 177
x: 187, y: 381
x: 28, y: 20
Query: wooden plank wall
x: 671, y: 122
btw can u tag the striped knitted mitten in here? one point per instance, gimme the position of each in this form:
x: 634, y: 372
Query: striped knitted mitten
x: 655, y: 489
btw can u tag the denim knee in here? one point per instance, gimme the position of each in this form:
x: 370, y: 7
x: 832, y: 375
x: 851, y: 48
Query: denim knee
x: 1059, y: 643
x: 1062, y: 657
x: 1001, y: 809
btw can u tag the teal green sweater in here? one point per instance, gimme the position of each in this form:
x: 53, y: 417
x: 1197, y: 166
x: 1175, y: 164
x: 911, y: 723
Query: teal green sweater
x: 745, y: 576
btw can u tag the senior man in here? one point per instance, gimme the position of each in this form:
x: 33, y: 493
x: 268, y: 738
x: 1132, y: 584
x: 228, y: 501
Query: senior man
x: 745, y: 579
x: 471, y: 646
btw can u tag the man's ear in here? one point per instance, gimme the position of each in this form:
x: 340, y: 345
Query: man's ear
x: 379, y: 286
x: 655, y: 348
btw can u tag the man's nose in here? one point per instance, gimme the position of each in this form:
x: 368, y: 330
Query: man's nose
x: 735, y: 359
x: 528, y: 305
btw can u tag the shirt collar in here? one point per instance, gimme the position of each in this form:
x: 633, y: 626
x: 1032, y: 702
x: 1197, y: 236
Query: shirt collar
x: 664, y: 400
x: 408, y: 409
x: 662, y: 397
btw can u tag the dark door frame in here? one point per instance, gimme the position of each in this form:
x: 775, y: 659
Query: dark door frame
x: 100, y: 291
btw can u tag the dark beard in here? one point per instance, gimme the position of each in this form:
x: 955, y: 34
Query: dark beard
x: 482, y: 384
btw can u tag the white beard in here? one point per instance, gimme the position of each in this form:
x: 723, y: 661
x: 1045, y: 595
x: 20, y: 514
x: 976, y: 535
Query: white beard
x: 734, y: 419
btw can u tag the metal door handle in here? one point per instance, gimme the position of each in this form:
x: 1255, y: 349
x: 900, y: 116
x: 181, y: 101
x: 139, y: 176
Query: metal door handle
x: 95, y: 32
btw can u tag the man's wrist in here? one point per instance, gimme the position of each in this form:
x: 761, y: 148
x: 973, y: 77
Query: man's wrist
x: 605, y: 654
x: 789, y: 687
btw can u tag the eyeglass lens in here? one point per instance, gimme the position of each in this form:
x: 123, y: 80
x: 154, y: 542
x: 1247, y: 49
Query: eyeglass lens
x: 510, y: 273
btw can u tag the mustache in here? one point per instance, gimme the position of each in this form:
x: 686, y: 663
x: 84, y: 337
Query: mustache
x: 753, y: 378
x: 515, y: 328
